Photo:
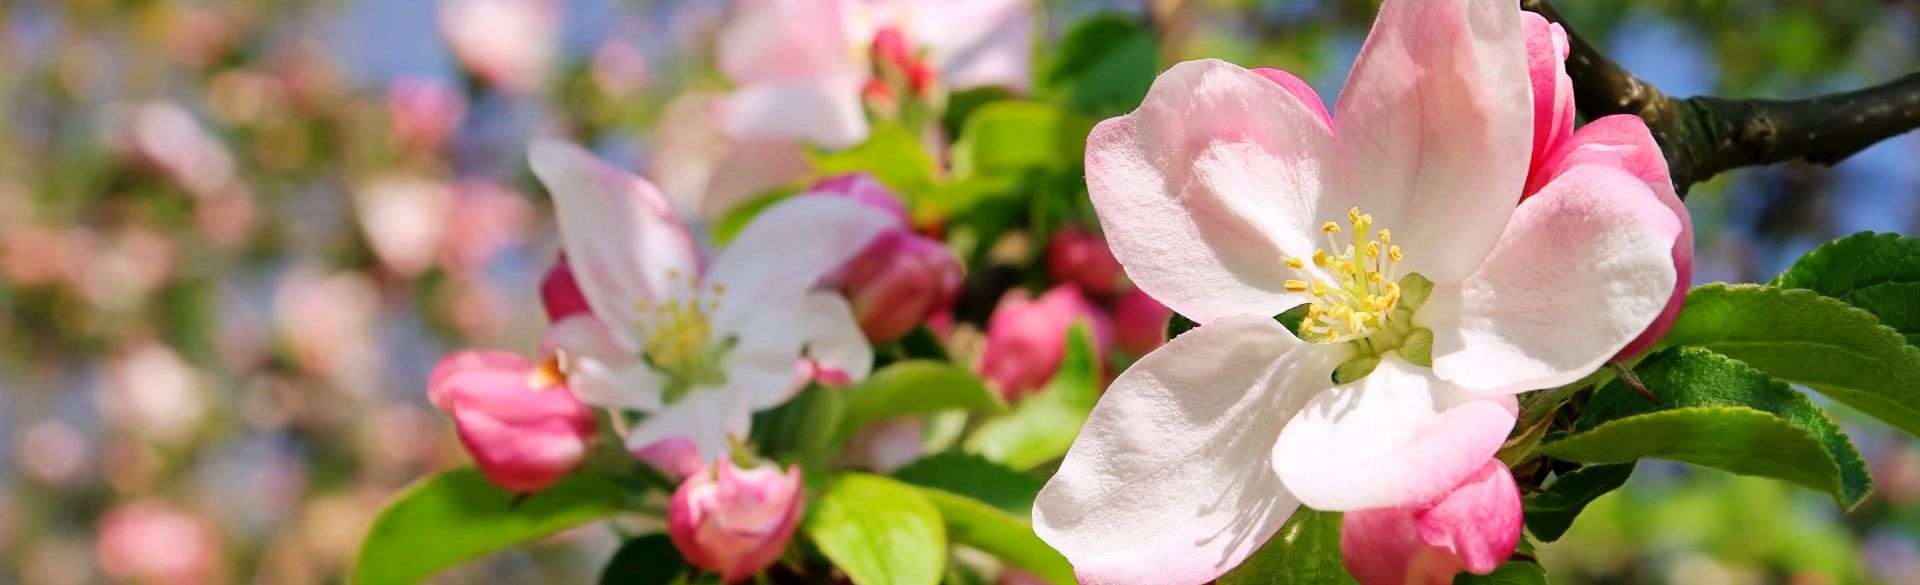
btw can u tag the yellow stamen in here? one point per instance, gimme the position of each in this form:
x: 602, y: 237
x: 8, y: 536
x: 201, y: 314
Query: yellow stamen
x: 1330, y: 227
x: 1296, y: 263
x: 1296, y: 285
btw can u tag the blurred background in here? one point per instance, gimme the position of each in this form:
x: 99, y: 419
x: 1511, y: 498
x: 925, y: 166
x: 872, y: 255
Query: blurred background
x: 235, y: 235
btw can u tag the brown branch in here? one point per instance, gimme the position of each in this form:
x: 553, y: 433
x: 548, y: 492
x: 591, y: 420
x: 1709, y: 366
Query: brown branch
x: 1704, y: 136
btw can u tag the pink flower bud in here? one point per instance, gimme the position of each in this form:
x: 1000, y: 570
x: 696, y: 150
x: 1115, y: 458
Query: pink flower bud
x: 157, y: 543
x: 517, y: 419
x: 1081, y: 257
x: 1474, y: 529
x: 1139, y: 322
x: 560, y: 293
x: 891, y: 49
x: 1027, y: 338
x: 865, y: 189
x: 735, y: 521
x: 899, y: 281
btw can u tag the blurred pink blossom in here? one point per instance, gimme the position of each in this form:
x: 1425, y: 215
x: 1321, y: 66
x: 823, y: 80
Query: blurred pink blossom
x: 506, y: 42
x: 52, y: 452
x: 1139, y: 322
x: 151, y: 391
x: 326, y: 321
x: 424, y: 112
x: 404, y: 218
x: 157, y: 543
x: 620, y: 69
x: 169, y: 138
x: 1081, y: 257
x: 483, y: 219
x: 1027, y: 338
x: 704, y: 173
x: 735, y: 521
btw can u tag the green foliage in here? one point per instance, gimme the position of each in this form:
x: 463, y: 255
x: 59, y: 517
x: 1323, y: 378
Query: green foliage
x: 891, y: 154
x: 647, y: 560
x: 973, y: 476
x: 458, y: 515
x: 805, y: 429
x: 879, y: 531
x: 1879, y: 273
x: 1717, y: 412
x: 1043, y: 426
x: 1551, y: 511
x: 1306, y: 551
x: 1105, y: 64
x: 1805, y: 338
x: 1011, y: 137
x: 1008, y: 536
x: 915, y: 387
x: 1511, y: 573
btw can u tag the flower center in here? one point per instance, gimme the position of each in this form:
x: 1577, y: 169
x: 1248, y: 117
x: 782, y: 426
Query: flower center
x: 1354, y: 285
x: 680, y: 343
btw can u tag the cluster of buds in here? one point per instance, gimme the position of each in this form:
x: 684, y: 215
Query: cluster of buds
x: 901, y: 279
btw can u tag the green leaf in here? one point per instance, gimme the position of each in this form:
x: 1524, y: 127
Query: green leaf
x: 975, y: 477
x: 1876, y: 272
x: 1105, y: 64
x: 1008, y: 536
x: 1306, y: 551
x: 915, y: 387
x: 1009, y: 137
x: 805, y: 429
x: 1717, y: 412
x: 458, y: 515
x: 647, y: 560
x: 1802, y: 337
x: 891, y: 154
x: 1043, y: 426
x: 880, y: 531
x: 1510, y: 573
x: 1551, y: 511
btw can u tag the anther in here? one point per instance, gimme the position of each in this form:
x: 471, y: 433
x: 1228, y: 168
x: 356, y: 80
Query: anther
x: 1296, y: 285
x: 1296, y: 263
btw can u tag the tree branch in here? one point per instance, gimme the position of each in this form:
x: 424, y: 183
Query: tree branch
x: 1704, y: 136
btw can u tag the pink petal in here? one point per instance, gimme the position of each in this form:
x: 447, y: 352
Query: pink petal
x: 1552, y: 88
x: 978, y: 42
x: 825, y: 111
x: 787, y: 40
x: 1584, y: 268
x: 1624, y: 142
x: 506, y: 365
x: 623, y: 245
x: 522, y: 438
x: 1436, y: 121
x: 1474, y: 528
x: 1396, y: 437
x: 1205, y: 188
x: 1300, y: 90
x: 1167, y: 482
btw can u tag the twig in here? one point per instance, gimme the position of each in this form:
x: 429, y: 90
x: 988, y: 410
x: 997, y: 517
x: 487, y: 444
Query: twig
x: 1704, y: 136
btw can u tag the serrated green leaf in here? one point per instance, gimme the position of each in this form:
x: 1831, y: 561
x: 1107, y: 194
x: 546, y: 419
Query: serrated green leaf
x: 1552, y: 510
x: 1105, y: 64
x: 915, y: 387
x: 1717, y: 412
x: 1879, y: 273
x: 1008, y: 536
x: 975, y: 477
x: 1043, y: 426
x: 879, y: 531
x: 646, y: 560
x: 1011, y: 137
x: 445, y: 519
x: 1802, y: 337
x: 1306, y: 551
x: 1510, y: 573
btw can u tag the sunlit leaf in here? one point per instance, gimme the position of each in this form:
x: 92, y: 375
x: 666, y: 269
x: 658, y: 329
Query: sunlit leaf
x: 879, y: 531
x: 458, y: 515
x: 1306, y: 551
x: 1879, y: 273
x: 1042, y: 427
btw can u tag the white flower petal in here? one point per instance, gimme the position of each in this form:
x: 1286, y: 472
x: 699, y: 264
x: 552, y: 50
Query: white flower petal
x: 768, y: 363
x: 623, y: 386
x: 1398, y: 436
x: 1435, y: 129
x: 1169, y: 481
x: 787, y: 249
x: 1585, y: 266
x: 621, y: 240
x: 824, y: 111
x: 706, y: 416
x: 1209, y: 186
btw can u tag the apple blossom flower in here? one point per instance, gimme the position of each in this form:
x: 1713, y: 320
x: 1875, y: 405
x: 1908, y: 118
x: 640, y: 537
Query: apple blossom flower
x: 699, y: 346
x: 515, y: 417
x: 1081, y: 257
x: 424, y: 112
x: 802, y: 66
x: 505, y: 42
x: 1027, y: 337
x: 560, y: 294
x: 403, y: 219
x: 1473, y: 528
x: 735, y: 521
x: 1431, y: 297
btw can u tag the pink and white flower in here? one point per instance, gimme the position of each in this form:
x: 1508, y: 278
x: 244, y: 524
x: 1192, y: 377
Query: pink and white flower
x: 801, y: 66
x: 1231, y: 196
x: 735, y: 521
x: 1472, y: 528
x: 508, y: 43
x: 698, y: 346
